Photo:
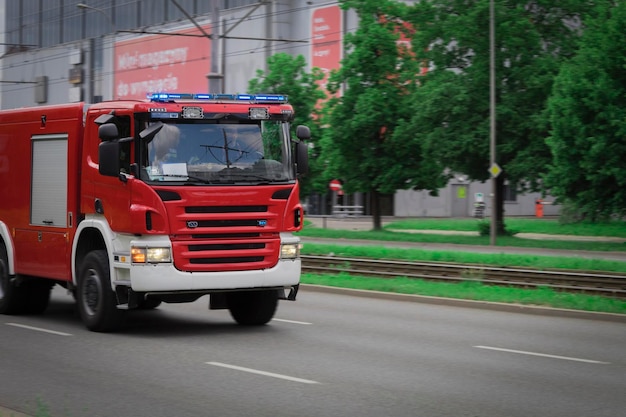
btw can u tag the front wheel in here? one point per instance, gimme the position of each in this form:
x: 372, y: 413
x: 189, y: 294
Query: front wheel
x: 252, y: 308
x: 96, y: 301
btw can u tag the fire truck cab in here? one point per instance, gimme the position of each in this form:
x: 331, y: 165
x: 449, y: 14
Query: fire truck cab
x: 129, y: 204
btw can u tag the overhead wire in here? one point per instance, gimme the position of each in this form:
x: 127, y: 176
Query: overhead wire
x: 111, y: 39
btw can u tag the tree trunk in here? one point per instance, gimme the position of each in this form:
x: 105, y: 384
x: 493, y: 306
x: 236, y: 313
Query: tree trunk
x: 376, y: 217
x: 499, y: 206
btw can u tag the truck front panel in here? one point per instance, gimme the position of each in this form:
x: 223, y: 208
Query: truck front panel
x: 213, y: 183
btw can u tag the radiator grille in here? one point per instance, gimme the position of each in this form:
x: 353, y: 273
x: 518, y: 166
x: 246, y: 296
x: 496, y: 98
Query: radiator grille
x: 226, y: 238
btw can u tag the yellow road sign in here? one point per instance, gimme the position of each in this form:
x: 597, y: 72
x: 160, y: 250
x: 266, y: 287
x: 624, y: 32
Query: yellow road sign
x: 495, y: 170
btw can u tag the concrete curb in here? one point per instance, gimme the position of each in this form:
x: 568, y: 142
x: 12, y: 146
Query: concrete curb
x: 7, y: 412
x: 455, y: 302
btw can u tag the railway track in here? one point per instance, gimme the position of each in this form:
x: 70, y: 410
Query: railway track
x: 606, y: 284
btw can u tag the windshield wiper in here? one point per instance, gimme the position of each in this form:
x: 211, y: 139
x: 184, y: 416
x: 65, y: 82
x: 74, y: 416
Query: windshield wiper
x: 182, y: 178
x: 257, y: 177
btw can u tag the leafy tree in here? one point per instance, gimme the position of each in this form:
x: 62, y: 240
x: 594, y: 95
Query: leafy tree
x: 287, y: 74
x: 360, y: 145
x: 451, y: 111
x: 588, y: 117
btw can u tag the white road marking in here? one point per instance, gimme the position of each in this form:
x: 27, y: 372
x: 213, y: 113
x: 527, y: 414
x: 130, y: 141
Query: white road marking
x: 39, y: 329
x: 545, y: 355
x: 256, y: 371
x: 292, y: 321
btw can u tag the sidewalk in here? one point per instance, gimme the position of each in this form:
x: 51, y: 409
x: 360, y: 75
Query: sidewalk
x: 365, y: 223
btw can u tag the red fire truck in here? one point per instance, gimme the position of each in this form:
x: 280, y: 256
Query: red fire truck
x: 128, y: 204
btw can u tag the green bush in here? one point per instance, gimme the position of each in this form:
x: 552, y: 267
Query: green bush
x: 484, y: 229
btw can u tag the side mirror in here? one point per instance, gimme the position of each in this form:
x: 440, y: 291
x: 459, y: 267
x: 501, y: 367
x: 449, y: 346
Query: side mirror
x: 302, y: 158
x: 108, y: 132
x: 303, y: 132
x: 109, y: 158
x: 113, y: 158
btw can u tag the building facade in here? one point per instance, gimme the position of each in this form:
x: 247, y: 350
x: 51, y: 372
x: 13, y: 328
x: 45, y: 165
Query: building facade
x: 60, y: 51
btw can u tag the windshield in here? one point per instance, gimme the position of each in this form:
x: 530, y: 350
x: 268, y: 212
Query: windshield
x: 219, y: 153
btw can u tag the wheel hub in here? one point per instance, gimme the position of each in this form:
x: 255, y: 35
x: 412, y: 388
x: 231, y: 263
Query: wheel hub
x: 91, y: 292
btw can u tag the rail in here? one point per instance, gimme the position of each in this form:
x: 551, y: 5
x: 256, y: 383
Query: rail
x: 606, y: 284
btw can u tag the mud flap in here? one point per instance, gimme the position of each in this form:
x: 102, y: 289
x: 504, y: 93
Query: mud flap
x: 293, y: 291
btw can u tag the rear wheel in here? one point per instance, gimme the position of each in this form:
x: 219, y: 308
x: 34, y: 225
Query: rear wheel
x: 253, y: 308
x: 96, y: 301
x: 11, y: 295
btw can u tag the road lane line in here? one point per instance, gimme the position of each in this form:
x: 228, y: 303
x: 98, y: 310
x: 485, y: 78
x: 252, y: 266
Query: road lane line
x: 292, y: 321
x: 545, y: 355
x: 258, y: 372
x: 39, y: 329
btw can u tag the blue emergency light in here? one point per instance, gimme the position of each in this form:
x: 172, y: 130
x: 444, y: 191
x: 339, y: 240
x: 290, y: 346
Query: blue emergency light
x: 249, y: 98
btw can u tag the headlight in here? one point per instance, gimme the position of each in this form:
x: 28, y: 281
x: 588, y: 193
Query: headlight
x: 150, y: 255
x: 290, y: 251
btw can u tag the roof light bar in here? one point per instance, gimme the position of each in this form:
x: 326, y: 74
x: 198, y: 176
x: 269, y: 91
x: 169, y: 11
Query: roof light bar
x: 250, y: 98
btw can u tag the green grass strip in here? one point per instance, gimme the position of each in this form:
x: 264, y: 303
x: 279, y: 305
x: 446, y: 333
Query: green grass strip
x: 525, y: 225
x: 542, y: 296
x: 473, y: 290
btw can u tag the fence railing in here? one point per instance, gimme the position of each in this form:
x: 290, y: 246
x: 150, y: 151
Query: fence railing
x: 339, y: 210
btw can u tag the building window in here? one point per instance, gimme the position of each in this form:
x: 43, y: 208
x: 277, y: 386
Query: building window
x: 152, y: 12
x: 51, y: 23
x: 38, y: 23
x: 13, y: 32
x: 231, y: 4
x: 174, y: 13
x: 127, y: 15
x: 72, y: 22
x: 510, y: 194
x: 30, y: 26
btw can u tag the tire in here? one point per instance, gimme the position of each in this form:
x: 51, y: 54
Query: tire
x: 11, y: 295
x: 252, y: 308
x: 96, y: 301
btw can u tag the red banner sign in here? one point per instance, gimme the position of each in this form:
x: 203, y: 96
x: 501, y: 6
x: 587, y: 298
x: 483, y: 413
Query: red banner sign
x: 162, y: 63
x: 326, y: 48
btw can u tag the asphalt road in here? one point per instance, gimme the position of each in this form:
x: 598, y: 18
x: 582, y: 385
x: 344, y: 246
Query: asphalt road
x: 324, y: 355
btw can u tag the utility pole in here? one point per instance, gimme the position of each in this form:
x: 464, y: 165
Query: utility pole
x: 215, y: 77
x: 91, y: 95
x: 493, y: 167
